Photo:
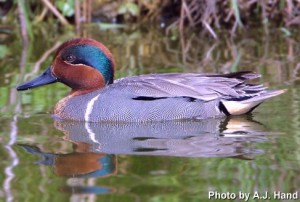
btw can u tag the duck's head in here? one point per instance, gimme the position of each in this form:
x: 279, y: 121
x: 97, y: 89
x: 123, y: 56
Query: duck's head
x: 82, y: 64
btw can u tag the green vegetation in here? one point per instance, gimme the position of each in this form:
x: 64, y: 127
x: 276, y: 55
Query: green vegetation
x: 252, y: 35
x: 210, y: 16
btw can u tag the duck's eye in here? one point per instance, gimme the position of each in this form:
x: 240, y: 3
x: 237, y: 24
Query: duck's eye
x: 70, y: 58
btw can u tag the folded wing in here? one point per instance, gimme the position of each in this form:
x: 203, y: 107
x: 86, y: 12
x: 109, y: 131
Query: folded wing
x: 236, y: 95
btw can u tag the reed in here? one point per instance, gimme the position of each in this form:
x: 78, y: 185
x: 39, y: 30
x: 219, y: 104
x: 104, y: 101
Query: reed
x: 209, y: 15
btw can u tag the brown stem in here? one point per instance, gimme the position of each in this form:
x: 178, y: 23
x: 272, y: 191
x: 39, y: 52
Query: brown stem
x: 24, y: 33
x: 23, y: 24
x: 77, y: 14
x: 38, y: 63
x: 40, y: 17
x: 53, y: 9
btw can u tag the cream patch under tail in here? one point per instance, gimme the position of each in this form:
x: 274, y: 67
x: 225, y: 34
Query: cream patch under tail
x: 245, y: 106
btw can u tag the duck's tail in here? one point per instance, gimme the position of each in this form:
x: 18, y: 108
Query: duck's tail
x: 245, y: 106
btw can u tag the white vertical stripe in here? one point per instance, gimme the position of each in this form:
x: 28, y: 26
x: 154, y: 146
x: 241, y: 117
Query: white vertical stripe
x: 89, y: 108
x: 92, y: 136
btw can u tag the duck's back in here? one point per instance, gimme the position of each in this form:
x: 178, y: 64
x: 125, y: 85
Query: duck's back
x: 171, y: 96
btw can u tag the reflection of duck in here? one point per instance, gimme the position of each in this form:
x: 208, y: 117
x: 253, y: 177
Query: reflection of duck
x: 87, y: 66
x: 76, y: 164
x: 95, y: 145
x: 204, y: 138
x: 80, y: 164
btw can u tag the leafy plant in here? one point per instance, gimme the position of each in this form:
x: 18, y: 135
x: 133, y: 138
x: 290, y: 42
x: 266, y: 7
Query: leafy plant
x: 129, y: 8
x: 3, y: 51
x: 66, y: 7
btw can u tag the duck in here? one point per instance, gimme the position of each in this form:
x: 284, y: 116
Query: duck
x: 87, y: 67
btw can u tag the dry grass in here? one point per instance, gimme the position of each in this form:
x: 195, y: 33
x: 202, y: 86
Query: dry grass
x: 209, y: 15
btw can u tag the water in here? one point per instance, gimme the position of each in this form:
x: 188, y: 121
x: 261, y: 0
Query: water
x: 50, y: 160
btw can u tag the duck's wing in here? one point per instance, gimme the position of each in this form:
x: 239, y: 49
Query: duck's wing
x: 200, y: 86
x: 233, y: 90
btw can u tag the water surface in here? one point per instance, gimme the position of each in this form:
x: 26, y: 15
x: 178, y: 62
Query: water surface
x: 50, y: 160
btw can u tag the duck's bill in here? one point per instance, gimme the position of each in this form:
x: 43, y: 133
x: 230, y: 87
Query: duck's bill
x: 44, y: 79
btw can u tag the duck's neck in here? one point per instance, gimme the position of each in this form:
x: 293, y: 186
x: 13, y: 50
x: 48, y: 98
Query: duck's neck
x: 83, y: 91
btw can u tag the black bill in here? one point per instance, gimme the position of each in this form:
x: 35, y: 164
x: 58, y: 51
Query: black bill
x: 44, y: 79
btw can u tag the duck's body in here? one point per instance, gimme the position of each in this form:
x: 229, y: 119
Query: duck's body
x: 156, y: 97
